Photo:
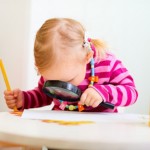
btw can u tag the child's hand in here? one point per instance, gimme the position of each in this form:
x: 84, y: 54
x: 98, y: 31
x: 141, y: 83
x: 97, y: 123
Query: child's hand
x: 90, y: 97
x: 14, y: 98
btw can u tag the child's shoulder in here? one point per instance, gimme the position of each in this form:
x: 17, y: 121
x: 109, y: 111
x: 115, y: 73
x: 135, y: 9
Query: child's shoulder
x: 109, y: 57
x: 108, y: 61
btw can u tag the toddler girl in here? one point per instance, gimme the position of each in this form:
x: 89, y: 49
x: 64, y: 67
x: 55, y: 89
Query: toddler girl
x: 62, y: 52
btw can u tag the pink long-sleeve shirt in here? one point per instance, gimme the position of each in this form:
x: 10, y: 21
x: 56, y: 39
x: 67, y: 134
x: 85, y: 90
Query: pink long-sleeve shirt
x: 115, y: 85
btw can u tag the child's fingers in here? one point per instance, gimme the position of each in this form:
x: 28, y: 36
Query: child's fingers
x: 92, y: 101
x: 9, y: 97
x: 87, y: 101
x: 11, y: 102
x: 12, y: 98
x: 11, y: 106
x: 83, y: 98
x: 95, y: 104
x: 8, y: 92
x: 16, y: 92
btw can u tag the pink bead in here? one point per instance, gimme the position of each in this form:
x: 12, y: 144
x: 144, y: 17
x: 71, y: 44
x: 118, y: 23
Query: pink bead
x: 63, y: 105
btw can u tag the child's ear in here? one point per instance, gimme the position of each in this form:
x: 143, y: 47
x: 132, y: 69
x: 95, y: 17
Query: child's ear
x: 89, y: 56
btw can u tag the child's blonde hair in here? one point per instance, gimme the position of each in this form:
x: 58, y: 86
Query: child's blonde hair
x: 70, y: 33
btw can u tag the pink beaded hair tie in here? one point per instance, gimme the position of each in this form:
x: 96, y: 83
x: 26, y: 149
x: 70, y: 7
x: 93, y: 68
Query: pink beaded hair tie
x: 87, y: 43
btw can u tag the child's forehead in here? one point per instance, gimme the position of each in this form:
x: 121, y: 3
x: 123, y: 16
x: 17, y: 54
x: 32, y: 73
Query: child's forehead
x: 63, y: 74
x: 65, y: 68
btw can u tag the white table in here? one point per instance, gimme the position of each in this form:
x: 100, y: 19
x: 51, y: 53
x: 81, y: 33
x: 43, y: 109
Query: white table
x: 104, y: 135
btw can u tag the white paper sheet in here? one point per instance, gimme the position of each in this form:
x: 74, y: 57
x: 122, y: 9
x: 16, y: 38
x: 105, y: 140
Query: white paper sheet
x: 84, y: 116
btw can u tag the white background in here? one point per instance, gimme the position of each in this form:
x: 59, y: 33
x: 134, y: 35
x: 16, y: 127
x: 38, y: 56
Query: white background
x: 123, y: 24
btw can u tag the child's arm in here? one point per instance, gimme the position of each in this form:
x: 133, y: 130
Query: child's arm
x: 120, y: 90
x: 36, y: 98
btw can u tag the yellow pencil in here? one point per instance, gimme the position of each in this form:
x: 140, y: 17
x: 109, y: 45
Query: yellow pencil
x: 149, y: 117
x: 6, y: 79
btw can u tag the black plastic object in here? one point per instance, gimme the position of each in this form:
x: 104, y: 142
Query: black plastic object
x: 66, y: 91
